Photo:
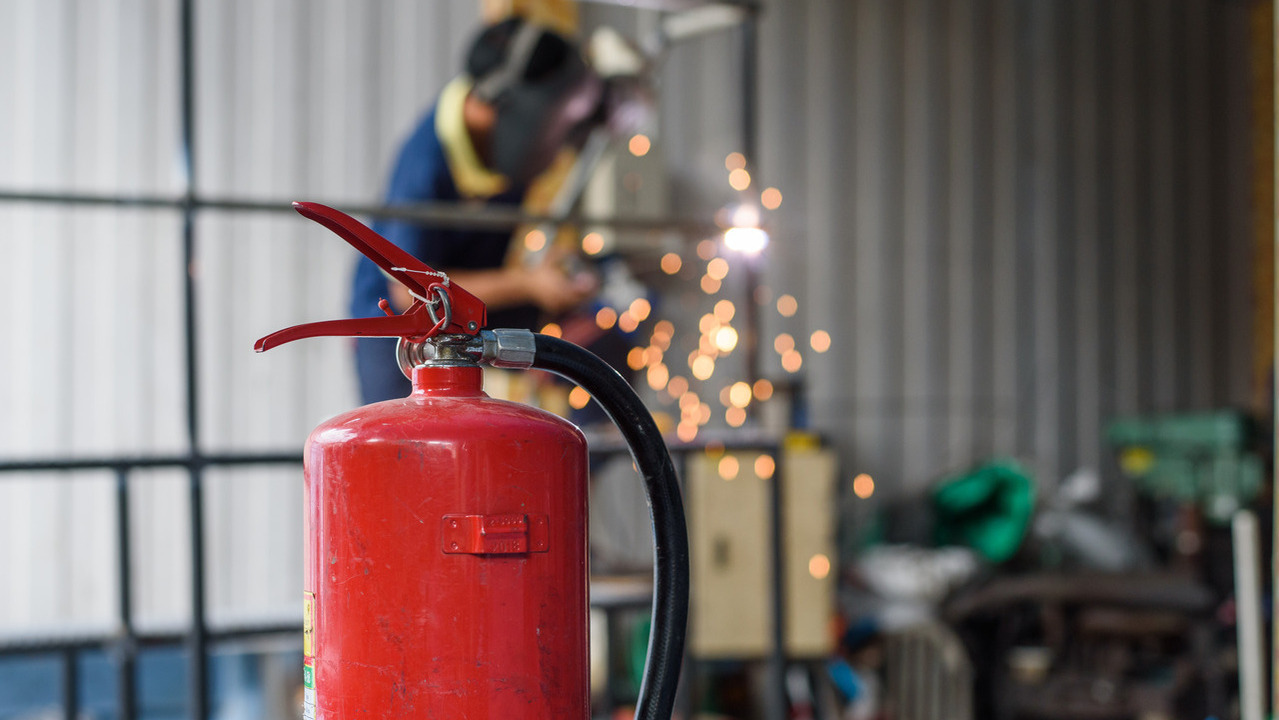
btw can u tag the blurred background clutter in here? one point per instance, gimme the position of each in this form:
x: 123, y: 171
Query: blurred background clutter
x: 958, y: 318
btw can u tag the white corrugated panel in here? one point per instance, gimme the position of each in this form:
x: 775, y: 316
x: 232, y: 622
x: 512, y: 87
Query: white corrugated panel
x: 294, y: 100
x: 1016, y: 220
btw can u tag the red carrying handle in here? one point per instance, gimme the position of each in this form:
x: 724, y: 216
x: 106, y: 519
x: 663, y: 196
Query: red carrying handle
x: 439, y: 306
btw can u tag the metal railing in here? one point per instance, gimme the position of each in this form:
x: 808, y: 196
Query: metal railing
x: 125, y: 642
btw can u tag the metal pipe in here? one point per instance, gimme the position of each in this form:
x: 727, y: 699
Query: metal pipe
x: 751, y: 329
x: 197, y: 637
x: 157, y: 461
x: 749, y: 59
x: 750, y: 87
x: 744, y: 439
x: 127, y: 647
x: 197, y: 640
x: 676, y: 5
x: 1273, y: 570
x: 777, y: 709
x: 70, y: 685
x: 436, y: 214
x: 1248, y: 624
x: 105, y: 641
x: 91, y: 199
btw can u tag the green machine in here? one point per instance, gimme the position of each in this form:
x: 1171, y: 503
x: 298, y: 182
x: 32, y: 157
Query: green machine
x: 1203, y: 458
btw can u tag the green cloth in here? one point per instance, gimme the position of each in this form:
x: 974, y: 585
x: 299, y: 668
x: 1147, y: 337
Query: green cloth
x: 987, y: 509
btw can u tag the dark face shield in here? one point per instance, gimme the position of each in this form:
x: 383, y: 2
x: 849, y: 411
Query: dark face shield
x: 542, y: 91
x: 535, y: 122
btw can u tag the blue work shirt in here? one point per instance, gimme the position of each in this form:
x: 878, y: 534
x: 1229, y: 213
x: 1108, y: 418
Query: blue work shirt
x: 422, y: 175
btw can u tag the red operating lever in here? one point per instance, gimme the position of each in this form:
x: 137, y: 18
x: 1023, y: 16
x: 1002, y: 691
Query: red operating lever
x: 439, y: 307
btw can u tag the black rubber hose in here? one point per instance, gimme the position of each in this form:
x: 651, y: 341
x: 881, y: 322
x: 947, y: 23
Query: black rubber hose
x: 665, y: 508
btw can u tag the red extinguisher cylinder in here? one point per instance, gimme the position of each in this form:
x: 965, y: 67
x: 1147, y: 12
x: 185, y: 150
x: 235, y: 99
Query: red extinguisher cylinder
x: 446, y: 532
x: 446, y: 571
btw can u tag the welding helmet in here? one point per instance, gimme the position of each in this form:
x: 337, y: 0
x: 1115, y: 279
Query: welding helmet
x: 541, y: 89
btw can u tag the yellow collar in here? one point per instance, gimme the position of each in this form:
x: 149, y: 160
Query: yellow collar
x: 473, y: 180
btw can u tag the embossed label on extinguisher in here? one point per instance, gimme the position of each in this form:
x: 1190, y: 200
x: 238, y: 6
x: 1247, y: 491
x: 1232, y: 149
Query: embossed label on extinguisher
x: 506, y: 534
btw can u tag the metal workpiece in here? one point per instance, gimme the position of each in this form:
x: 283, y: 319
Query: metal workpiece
x: 508, y: 348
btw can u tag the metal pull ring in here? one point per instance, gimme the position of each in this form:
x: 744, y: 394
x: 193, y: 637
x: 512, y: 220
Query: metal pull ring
x: 441, y: 295
x: 408, y: 353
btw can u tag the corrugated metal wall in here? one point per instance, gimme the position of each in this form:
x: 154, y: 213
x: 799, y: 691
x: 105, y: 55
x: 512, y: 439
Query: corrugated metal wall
x: 294, y: 100
x: 1016, y: 218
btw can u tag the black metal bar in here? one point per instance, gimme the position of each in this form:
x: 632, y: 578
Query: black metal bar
x: 751, y: 329
x: 197, y: 640
x: 778, y: 707
x: 70, y: 685
x: 107, y: 641
x: 149, y: 202
x: 750, y: 84
x: 777, y: 658
x: 45, y: 646
x: 736, y: 440
x: 743, y: 440
x: 156, y: 461
x: 437, y: 214
x: 689, y: 692
x: 677, y: 5
x: 749, y: 60
x: 126, y: 647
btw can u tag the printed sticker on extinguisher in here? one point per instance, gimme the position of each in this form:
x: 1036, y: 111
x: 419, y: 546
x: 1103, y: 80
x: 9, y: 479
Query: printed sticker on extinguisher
x: 308, y: 660
x: 308, y: 624
x: 308, y: 689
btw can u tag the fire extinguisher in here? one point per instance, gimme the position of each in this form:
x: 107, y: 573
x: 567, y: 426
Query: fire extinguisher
x: 446, y: 553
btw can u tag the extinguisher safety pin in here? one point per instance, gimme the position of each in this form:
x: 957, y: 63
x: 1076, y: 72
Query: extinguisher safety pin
x: 441, y: 293
x: 443, y: 276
